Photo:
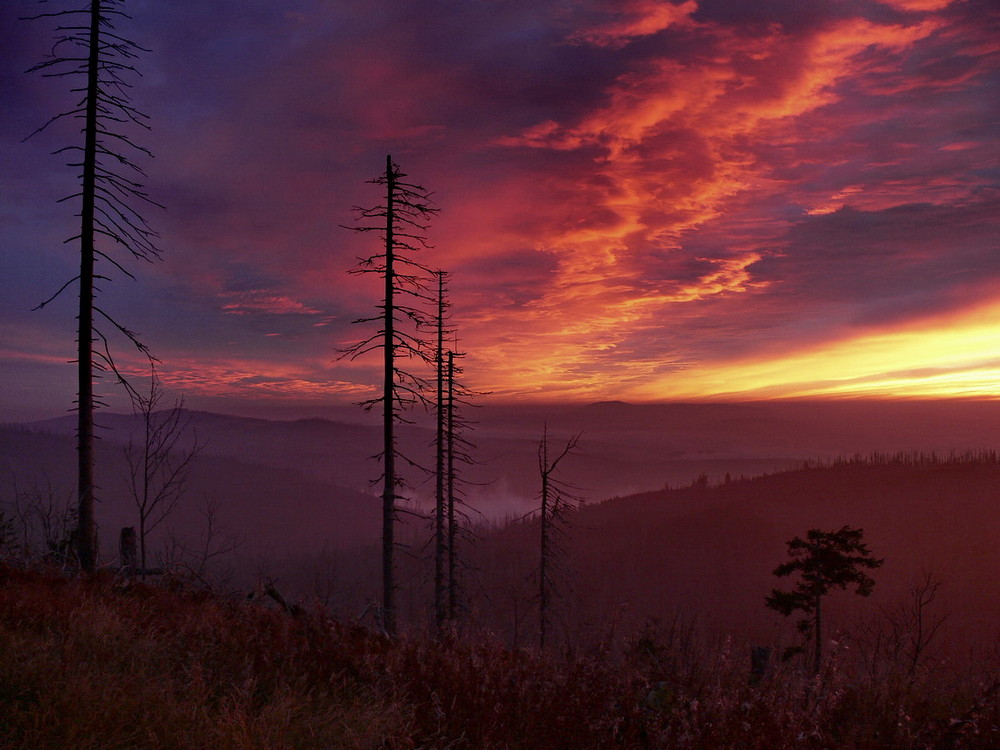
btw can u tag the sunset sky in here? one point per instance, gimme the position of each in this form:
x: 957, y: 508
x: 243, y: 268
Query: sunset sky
x: 639, y: 200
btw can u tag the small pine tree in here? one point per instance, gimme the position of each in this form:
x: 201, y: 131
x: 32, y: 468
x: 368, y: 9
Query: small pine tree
x: 825, y: 560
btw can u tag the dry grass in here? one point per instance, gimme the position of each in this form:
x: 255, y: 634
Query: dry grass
x: 92, y: 664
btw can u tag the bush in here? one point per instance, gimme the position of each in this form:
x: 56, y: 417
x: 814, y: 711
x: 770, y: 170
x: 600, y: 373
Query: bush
x: 100, y: 664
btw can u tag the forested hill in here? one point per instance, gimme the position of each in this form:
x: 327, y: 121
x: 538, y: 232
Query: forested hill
x: 707, y: 552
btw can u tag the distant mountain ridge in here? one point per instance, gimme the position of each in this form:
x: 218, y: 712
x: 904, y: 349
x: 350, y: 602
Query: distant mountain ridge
x: 624, y: 448
x: 706, y: 549
x: 269, y: 506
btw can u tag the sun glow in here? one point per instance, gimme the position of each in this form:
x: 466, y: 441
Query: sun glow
x: 946, y: 357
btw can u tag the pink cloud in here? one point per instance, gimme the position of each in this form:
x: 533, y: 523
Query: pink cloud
x: 252, y: 378
x: 263, y: 301
x: 635, y: 18
x: 918, y: 6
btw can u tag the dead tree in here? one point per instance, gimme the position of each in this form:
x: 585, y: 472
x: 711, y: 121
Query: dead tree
x: 45, y: 523
x: 160, y: 465
x: 904, y: 634
x: 458, y: 450
x: 556, y: 501
x: 440, y: 540
x: 449, y: 447
x: 194, y: 558
x: 88, y: 47
x: 402, y: 221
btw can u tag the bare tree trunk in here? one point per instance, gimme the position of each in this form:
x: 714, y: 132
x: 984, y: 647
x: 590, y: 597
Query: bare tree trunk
x: 401, y: 223
x: 452, y: 521
x: 147, y: 414
x: 101, y: 57
x: 388, y: 418
x: 126, y: 550
x: 818, y: 636
x: 142, y: 545
x: 86, y: 536
x: 440, y: 609
x: 543, y: 578
x: 555, y: 501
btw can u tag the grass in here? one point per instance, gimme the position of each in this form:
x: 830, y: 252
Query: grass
x: 102, y: 664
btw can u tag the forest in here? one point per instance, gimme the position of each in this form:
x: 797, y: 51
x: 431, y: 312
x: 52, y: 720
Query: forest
x: 657, y: 610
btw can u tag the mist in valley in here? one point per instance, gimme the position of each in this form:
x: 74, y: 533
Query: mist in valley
x: 685, y: 510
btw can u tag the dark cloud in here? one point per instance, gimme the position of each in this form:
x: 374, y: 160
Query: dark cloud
x: 878, y: 260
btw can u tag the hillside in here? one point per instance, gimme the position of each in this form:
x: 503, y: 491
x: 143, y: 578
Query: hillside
x: 99, y: 663
x: 271, y: 509
x: 624, y: 448
x: 703, y: 553
x: 706, y: 554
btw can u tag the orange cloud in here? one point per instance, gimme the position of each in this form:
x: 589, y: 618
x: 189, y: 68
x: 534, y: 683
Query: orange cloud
x: 671, y: 156
x: 918, y: 6
x: 637, y: 18
x: 557, y: 355
x: 251, y: 378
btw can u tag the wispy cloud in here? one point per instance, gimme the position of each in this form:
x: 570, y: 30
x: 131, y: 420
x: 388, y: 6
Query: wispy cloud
x: 632, y: 193
x: 634, y: 19
x: 249, y: 301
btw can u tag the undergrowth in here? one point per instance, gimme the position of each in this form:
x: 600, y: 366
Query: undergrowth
x: 102, y: 663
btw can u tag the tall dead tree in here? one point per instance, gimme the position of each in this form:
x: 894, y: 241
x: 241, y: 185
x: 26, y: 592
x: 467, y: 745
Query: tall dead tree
x: 556, y: 501
x: 440, y: 540
x: 450, y: 447
x: 402, y: 220
x: 88, y: 47
x: 458, y: 450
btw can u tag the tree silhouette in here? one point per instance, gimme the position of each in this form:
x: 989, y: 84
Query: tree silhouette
x: 556, y: 500
x: 159, y: 466
x: 451, y: 449
x: 401, y: 220
x: 458, y: 450
x: 88, y: 46
x: 825, y: 560
x: 440, y: 445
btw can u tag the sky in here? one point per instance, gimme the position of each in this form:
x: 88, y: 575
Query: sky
x: 639, y: 200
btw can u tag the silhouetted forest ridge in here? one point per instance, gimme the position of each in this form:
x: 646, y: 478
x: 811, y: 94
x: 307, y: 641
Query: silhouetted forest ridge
x: 909, y: 458
x: 703, y: 550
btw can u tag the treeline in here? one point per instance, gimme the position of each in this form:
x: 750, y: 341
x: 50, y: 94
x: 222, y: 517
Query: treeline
x: 908, y: 459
